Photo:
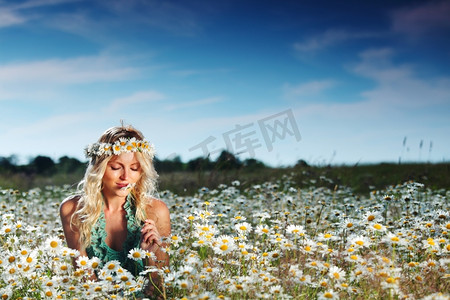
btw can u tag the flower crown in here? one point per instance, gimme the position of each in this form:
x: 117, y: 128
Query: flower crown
x: 123, y: 145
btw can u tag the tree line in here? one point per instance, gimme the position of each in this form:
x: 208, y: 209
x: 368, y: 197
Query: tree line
x: 44, y: 165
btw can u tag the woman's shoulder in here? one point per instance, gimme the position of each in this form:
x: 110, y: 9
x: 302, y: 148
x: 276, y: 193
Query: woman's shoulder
x: 157, y: 205
x: 156, y: 209
x: 69, y: 205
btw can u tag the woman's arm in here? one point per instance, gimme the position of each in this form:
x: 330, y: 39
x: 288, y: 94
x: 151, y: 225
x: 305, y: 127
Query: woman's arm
x: 156, y: 227
x: 66, y: 210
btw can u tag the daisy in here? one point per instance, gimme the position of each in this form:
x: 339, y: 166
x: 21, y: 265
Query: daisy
x: 296, y: 230
x: 394, y: 239
x: 175, y: 240
x: 111, y: 266
x: 184, y: 284
x: 136, y: 254
x: 328, y: 294
x: 336, y: 273
x: 372, y: 216
x: 239, y: 218
x: 243, y: 228
x: 94, y: 262
x: 7, y: 229
x: 53, y: 244
x: 262, y: 230
x: 309, y: 246
x: 82, y: 262
x: 325, y: 237
x: 224, y: 244
x: 275, y: 290
x: 377, y: 227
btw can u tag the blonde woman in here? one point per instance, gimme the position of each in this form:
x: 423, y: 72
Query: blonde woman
x: 115, y: 210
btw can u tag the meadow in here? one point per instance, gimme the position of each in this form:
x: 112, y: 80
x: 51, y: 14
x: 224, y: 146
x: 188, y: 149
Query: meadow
x: 273, y: 240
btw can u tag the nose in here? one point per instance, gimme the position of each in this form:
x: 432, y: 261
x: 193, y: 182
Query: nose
x: 124, y: 174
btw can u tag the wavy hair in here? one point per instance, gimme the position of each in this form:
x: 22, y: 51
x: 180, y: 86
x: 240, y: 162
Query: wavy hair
x: 90, y: 202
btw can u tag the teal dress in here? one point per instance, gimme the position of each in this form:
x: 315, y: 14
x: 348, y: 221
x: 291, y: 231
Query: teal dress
x: 101, y: 250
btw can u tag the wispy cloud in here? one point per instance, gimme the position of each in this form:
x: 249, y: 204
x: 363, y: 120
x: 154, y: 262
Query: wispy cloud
x: 138, y: 97
x: 330, y: 38
x: 16, y: 12
x: 10, y: 18
x: 193, y: 72
x: 399, y: 85
x: 67, y: 71
x: 307, y: 88
x: 422, y: 19
x: 195, y: 103
x: 180, y: 18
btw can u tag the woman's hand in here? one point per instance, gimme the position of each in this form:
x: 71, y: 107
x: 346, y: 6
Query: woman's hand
x: 150, y: 237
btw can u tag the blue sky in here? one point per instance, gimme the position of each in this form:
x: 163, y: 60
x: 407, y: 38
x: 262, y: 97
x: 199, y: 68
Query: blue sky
x: 339, y: 82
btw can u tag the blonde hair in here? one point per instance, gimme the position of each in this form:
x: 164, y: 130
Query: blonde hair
x: 90, y: 202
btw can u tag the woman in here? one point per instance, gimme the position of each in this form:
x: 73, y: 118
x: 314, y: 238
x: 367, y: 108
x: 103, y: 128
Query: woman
x: 115, y: 210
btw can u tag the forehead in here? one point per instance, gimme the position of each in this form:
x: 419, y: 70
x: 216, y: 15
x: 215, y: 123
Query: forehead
x: 124, y: 158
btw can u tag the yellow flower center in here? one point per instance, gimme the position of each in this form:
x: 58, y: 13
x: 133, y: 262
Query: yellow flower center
x: 390, y: 280
x: 377, y: 226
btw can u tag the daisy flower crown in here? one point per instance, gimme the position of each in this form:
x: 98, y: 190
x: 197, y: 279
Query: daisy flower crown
x: 123, y: 145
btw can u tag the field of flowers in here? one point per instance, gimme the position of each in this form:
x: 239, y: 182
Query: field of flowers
x: 268, y: 241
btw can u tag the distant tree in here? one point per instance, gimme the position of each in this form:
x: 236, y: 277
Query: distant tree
x: 69, y: 165
x: 301, y: 163
x: 200, y: 164
x: 8, y: 163
x: 252, y: 164
x: 227, y: 161
x: 42, y: 165
x: 169, y: 165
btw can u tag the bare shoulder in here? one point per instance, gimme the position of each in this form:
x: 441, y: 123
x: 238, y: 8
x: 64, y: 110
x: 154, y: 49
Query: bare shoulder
x: 69, y: 205
x: 158, y: 211
x: 157, y: 207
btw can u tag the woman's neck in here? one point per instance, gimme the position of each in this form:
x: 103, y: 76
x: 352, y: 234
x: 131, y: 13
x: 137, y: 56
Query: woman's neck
x: 114, y: 203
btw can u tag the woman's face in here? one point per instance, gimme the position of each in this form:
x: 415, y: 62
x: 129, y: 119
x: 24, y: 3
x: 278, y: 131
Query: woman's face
x: 122, y: 170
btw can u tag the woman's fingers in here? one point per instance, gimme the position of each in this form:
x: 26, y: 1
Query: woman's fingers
x: 150, y: 234
x: 151, y: 237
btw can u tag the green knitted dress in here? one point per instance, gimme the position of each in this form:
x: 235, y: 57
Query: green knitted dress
x: 101, y: 250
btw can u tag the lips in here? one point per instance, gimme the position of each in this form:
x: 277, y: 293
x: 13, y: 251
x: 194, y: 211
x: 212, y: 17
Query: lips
x: 126, y: 186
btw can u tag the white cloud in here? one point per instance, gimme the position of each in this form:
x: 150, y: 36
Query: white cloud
x: 178, y: 18
x: 138, y: 97
x: 308, y: 88
x: 16, y: 13
x: 329, y: 38
x: 201, y: 102
x: 9, y: 18
x: 66, y: 71
x: 399, y: 85
x: 192, y: 72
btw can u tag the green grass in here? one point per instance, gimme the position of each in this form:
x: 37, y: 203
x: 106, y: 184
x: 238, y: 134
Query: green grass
x: 361, y: 178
